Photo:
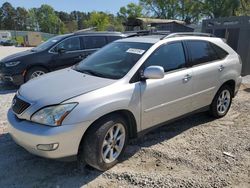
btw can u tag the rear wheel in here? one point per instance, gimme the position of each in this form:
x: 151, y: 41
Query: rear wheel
x: 35, y: 72
x: 104, y: 143
x: 221, y: 102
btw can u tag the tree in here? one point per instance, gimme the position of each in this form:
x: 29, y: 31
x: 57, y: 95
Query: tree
x: 165, y: 9
x: 21, y: 18
x: 100, y: 20
x: 132, y: 10
x: 244, y: 9
x: 8, y: 16
x: 32, y: 21
x: 48, y: 20
x: 220, y: 8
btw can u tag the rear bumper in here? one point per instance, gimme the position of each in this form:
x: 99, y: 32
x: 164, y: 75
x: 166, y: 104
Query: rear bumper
x: 29, y: 135
x: 237, y: 85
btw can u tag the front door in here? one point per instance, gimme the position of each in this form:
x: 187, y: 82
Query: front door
x: 169, y: 97
x: 67, y: 53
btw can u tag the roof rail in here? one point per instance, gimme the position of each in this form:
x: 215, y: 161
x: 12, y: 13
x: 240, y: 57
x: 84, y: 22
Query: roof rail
x: 188, y: 34
x: 86, y: 30
x: 147, y: 32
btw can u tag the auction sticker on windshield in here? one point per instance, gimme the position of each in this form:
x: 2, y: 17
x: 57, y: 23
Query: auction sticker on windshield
x: 135, y: 51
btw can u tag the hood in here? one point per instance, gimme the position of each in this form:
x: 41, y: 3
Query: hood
x: 58, y: 86
x: 17, y: 56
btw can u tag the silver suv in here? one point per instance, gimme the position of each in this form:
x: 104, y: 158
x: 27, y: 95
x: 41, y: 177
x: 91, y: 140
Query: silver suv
x: 91, y: 110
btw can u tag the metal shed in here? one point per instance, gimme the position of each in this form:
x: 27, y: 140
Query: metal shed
x: 136, y: 24
x: 236, y: 30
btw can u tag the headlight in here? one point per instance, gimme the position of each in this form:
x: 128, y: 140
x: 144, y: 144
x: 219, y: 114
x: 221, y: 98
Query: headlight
x: 53, y: 115
x: 12, y: 63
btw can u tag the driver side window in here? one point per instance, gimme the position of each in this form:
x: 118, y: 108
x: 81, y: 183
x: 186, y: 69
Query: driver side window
x: 170, y: 57
x: 71, y: 44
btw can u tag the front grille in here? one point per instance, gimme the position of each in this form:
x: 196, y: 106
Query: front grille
x: 18, y: 105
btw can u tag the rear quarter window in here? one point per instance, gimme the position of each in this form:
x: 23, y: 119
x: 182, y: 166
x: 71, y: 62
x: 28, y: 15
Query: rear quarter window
x: 219, y: 51
x: 201, y: 52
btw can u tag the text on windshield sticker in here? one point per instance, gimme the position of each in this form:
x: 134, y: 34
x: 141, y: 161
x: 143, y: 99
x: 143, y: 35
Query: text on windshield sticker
x: 135, y: 51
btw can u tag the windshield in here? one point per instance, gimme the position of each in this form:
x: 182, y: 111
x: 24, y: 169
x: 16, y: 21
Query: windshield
x: 113, y: 61
x: 49, y: 43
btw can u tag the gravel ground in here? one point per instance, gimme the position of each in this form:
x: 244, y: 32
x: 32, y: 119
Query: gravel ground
x: 197, y: 151
x: 9, y: 50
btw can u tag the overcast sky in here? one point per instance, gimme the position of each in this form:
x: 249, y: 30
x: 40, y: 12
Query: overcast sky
x: 111, y: 6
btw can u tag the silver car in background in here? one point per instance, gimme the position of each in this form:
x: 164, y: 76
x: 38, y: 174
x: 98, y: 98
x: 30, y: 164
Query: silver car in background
x: 120, y: 92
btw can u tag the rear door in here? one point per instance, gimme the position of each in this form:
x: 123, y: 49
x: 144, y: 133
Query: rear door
x: 169, y: 97
x: 206, y: 66
x: 93, y: 43
x: 73, y: 53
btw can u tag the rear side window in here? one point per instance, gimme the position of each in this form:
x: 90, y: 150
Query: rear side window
x: 169, y: 56
x: 113, y: 38
x: 201, y: 52
x: 92, y: 42
x: 219, y: 51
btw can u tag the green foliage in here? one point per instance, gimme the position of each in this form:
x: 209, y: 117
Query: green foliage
x: 244, y: 9
x: 220, y: 8
x: 19, y: 39
x: 100, y: 20
x: 8, y: 16
x: 192, y: 10
x: 46, y: 19
x: 132, y: 10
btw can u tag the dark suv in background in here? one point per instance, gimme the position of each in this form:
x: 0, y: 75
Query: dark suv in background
x: 58, y: 52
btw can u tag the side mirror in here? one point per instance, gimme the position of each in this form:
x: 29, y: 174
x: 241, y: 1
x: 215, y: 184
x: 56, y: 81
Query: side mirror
x: 61, y: 50
x: 154, y: 72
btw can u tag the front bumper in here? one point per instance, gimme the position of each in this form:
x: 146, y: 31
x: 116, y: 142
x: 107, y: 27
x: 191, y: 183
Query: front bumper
x: 14, y: 79
x: 29, y: 135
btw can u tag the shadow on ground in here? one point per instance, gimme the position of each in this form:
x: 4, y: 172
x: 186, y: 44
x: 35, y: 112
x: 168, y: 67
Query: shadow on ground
x: 7, y: 89
x: 21, y: 169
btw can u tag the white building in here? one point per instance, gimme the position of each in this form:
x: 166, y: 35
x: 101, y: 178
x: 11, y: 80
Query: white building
x: 5, y: 35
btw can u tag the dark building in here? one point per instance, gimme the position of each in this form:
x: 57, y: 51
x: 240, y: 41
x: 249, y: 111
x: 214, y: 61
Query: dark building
x: 236, y: 31
x: 171, y: 26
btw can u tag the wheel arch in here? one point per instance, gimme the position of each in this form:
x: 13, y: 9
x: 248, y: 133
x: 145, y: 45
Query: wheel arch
x: 128, y: 117
x: 232, y: 84
x: 34, y: 66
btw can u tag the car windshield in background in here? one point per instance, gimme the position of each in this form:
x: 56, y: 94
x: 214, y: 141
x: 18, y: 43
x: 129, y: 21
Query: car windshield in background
x: 113, y: 61
x: 49, y: 43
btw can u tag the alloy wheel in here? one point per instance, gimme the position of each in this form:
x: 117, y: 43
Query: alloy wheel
x: 223, y: 102
x: 113, y: 143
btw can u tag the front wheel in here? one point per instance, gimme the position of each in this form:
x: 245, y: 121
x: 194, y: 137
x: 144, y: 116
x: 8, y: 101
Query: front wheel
x: 221, y: 102
x: 35, y: 72
x: 105, y: 142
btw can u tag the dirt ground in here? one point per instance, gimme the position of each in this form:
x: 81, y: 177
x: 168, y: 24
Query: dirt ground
x: 187, y: 153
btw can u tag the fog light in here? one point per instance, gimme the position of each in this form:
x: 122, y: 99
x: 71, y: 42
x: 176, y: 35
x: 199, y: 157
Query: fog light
x: 47, y: 147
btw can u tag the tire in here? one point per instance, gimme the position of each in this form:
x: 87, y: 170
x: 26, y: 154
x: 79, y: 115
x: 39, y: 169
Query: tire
x: 221, y: 102
x: 35, y: 72
x: 95, y: 151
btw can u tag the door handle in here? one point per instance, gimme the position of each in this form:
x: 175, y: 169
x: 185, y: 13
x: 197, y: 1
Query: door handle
x: 187, y: 78
x: 80, y: 57
x: 221, y: 68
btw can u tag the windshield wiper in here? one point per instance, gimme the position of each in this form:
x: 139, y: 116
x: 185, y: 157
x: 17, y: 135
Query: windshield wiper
x: 91, y: 72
